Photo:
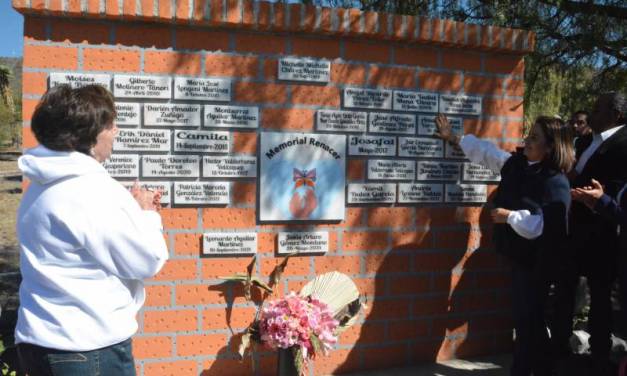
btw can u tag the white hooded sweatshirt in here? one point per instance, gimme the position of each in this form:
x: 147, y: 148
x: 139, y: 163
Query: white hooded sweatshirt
x: 85, y: 246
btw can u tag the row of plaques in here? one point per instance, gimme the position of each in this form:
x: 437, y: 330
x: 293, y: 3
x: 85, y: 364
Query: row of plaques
x: 387, y: 193
x: 188, y: 193
x: 242, y: 243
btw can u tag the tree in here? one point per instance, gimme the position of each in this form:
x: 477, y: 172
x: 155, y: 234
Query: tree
x: 5, y: 89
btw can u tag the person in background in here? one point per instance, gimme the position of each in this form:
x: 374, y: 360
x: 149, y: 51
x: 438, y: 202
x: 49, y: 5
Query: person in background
x: 86, y: 242
x: 583, y: 133
x: 530, y: 217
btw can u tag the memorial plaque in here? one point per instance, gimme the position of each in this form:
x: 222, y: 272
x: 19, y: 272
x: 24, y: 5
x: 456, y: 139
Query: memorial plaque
x: 372, y: 145
x: 414, y: 101
x: 411, y: 192
x: 368, y: 98
x: 207, y: 193
x: 127, y: 86
x: 427, y: 127
x: 202, y: 89
x: 170, y: 166
x: 420, y: 147
x: 476, y: 172
x: 428, y: 170
x: 76, y: 80
x: 229, y: 243
x: 371, y: 193
x: 466, y: 193
x: 454, y: 152
x: 233, y: 166
x: 231, y: 116
x: 122, y: 166
x: 388, y: 169
x: 127, y: 114
x: 163, y: 186
x: 201, y: 141
x: 303, y: 242
x: 142, y: 140
x: 392, y: 123
x: 308, y: 70
x: 166, y: 114
x: 341, y: 121
x: 460, y: 104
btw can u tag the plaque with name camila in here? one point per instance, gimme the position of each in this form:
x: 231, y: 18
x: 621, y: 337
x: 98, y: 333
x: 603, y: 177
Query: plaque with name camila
x: 231, y: 116
x: 371, y: 193
x: 201, y: 141
x: 303, y: 242
x: 229, y: 243
x: 166, y: 114
x: 368, y: 98
x: 454, y: 152
x: 388, y: 169
x: 464, y: 193
x: 438, y: 170
x: 476, y: 172
x: 427, y: 127
x: 414, y: 101
x: 126, y: 86
x: 202, y: 89
x: 372, y: 145
x: 163, y: 186
x: 76, y: 80
x: 460, y: 104
x: 341, y: 121
x: 392, y: 123
x: 412, y: 192
x: 420, y: 147
x: 207, y: 193
x: 170, y: 166
x: 127, y: 114
x: 308, y: 70
x: 122, y: 166
x: 142, y: 140
x: 232, y: 166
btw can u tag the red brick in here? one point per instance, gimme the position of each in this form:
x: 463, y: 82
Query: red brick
x: 354, y: 22
x: 316, y: 95
x: 198, y: 13
x: 367, y: 333
x: 431, y: 262
x: 28, y: 140
x: 326, y: 25
x: 449, y: 27
x: 409, y: 285
x: 483, y: 85
x: 437, y: 29
x: 187, y: 244
x: 388, y: 309
x: 473, y: 31
x: 145, y: 36
x: 157, y: 295
x: 65, y: 58
x: 170, y: 321
x: 198, y: 295
x: 147, y: 9
x: 464, y: 61
x: 296, y: 266
x: 320, y: 48
x: 484, y: 41
x: 34, y: 29
x: 243, y: 193
x: 420, y: 56
x: 152, y: 347
x: 505, y: 64
x: 34, y: 83
x: 213, y: 218
x: 128, y: 9
x: 508, y: 38
x: 54, y: 7
x: 292, y: 119
x: 28, y: 108
x: 261, y: 44
x: 294, y: 10
x: 244, y: 142
x: 397, y: 30
x: 252, y: 92
x: 231, y: 66
x: 439, y: 81
x: 363, y: 51
x: 514, y: 87
x: 179, y: 218
x: 266, y: 242
x: 384, y: 356
x: 411, y: 240
x: 387, y: 263
x: 279, y: 16
x: 218, y: 318
x: 484, y: 128
x: 370, y: 22
x: 431, y: 305
x: 497, y: 37
x: 514, y: 129
x: 233, y: 12
x: 214, y: 268
x: 425, y: 30
x: 340, y: 14
x: 228, y: 367
x: 343, y: 264
x: 172, y: 368
x: 111, y: 60
x: 354, y: 241
x: 352, y: 74
x: 392, y: 77
x: 502, y: 107
x: 263, y: 19
x: 310, y: 18
x: 355, y: 169
x: 383, y: 25
x: 338, y: 361
x: 165, y: 9
x: 408, y: 330
x: 248, y: 17
x: 177, y: 270
x: 390, y: 217
x: 172, y: 62
x: 202, y: 40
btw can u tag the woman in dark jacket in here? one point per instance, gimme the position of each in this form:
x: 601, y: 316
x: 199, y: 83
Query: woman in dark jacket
x: 530, y: 216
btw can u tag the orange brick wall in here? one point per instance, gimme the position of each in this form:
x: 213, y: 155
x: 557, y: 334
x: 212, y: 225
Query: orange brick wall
x: 433, y: 286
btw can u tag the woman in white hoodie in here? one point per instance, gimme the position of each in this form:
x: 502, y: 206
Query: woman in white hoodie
x: 86, y: 242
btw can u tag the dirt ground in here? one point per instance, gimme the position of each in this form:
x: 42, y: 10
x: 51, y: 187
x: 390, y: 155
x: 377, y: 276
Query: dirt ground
x: 10, y: 195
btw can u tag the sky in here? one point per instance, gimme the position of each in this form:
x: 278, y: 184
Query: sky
x: 11, y: 26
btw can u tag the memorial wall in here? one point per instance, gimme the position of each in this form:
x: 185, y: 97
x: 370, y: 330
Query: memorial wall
x: 274, y: 129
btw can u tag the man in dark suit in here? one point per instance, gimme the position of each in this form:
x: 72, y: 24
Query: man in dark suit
x: 593, y: 239
x: 582, y: 131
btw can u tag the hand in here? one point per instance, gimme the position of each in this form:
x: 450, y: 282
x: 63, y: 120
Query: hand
x: 499, y: 215
x: 145, y: 198
x: 445, y: 131
x: 588, y: 195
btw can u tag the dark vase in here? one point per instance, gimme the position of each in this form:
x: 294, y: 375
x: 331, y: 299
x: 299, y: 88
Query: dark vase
x: 286, y: 366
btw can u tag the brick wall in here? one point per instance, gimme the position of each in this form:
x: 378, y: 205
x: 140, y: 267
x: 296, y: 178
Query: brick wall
x: 434, y: 288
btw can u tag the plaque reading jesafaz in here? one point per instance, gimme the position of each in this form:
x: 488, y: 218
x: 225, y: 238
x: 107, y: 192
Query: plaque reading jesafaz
x: 231, y: 116
x: 460, y: 104
x: 127, y: 114
x: 371, y: 193
x: 387, y: 169
x: 229, y: 243
x: 420, y: 147
x: 207, y: 193
x: 126, y: 86
x: 163, y: 186
x: 308, y: 70
x: 372, y: 145
x: 76, y: 80
x: 165, y: 114
x: 202, y: 89
x: 411, y: 192
x: 427, y: 127
x: 341, y: 121
x: 233, y: 166
x: 122, y: 166
x: 476, y: 172
x: 414, y: 101
x: 303, y: 242
x: 368, y: 98
x: 438, y: 170
x: 170, y: 166
x: 201, y: 141
x: 466, y: 193
x: 142, y: 140
x: 392, y: 123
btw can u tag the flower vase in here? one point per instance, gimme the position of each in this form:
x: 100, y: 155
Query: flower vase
x: 286, y: 365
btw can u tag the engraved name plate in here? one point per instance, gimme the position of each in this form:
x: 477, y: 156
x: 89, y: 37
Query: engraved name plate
x: 202, y: 89
x: 438, y: 170
x: 368, y: 98
x: 231, y: 116
x: 369, y: 193
x: 427, y: 127
x: 420, y: 147
x: 387, y: 169
x: 163, y: 186
x: 460, y: 104
x: 411, y: 192
x: 175, y: 166
x: 122, y: 166
x: 229, y: 243
x: 466, y: 193
x: 127, y: 114
x: 392, y: 123
x: 186, y: 115
x: 76, y: 80
x: 142, y: 140
x: 201, y: 141
x: 303, y: 242
x: 372, y: 145
x: 414, y: 101
x: 233, y: 166
x: 341, y: 121
x: 308, y: 70
x: 454, y: 152
x: 208, y: 193
x: 476, y: 172
x: 127, y: 86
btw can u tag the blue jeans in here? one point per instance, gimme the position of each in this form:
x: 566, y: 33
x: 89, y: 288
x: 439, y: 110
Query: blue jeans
x: 114, y: 360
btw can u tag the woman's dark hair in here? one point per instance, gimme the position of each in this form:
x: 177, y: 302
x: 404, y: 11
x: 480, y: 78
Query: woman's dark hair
x: 69, y: 119
x: 559, y: 137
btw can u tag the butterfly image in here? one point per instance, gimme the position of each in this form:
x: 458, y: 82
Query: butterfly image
x: 304, y: 178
